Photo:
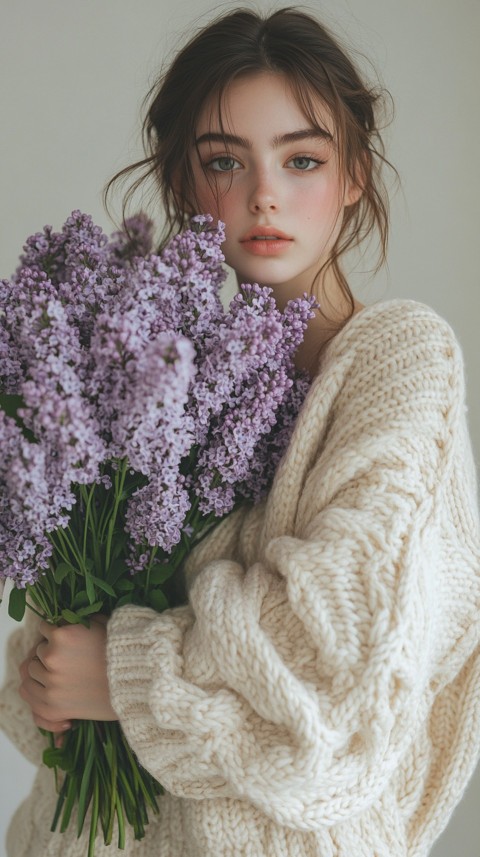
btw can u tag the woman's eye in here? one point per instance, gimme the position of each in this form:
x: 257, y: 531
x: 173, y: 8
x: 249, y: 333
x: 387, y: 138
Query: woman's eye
x: 223, y: 165
x: 303, y: 162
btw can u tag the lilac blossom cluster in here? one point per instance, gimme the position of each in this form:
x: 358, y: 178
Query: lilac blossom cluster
x: 109, y: 352
x: 243, y: 389
x: 25, y: 515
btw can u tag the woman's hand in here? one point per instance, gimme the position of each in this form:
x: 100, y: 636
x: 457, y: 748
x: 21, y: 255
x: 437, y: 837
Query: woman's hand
x: 64, y: 677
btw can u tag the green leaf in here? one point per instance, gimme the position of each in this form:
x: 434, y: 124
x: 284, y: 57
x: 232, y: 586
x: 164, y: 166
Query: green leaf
x: 110, y: 753
x: 52, y: 757
x: 86, y: 787
x: 102, y: 584
x: 157, y: 600
x: 125, y: 585
x: 119, y: 544
x: 140, y: 579
x: 121, y: 825
x: 60, y: 802
x: 17, y: 604
x: 92, y: 595
x: 80, y: 600
x: 70, y: 617
x: 70, y: 801
x: 159, y: 573
x: 117, y: 569
x: 90, y: 608
x: 10, y: 404
x: 57, y: 757
x: 94, y: 820
x: 62, y: 570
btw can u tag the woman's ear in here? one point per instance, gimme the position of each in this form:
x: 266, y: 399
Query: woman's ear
x: 353, y: 192
x: 355, y: 184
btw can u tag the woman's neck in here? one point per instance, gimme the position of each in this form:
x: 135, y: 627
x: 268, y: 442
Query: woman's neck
x: 321, y: 330
x: 334, y: 310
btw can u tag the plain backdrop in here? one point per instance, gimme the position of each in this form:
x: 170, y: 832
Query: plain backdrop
x: 72, y: 79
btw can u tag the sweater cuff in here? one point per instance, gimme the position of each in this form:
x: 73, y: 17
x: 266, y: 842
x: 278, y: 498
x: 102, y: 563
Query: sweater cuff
x: 132, y: 632
x: 172, y: 725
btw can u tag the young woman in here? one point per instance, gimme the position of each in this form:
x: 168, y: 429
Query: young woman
x: 318, y: 695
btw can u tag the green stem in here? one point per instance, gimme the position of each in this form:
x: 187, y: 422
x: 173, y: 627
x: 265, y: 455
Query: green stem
x: 113, y: 785
x: 87, y: 496
x: 119, y: 483
x: 61, y: 553
x: 153, y: 553
x: 94, y: 818
x: 121, y: 824
x: 64, y: 536
x: 107, y: 506
x: 37, y: 595
x: 61, y: 800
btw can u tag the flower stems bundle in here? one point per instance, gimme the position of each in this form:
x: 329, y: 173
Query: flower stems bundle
x: 135, y: 413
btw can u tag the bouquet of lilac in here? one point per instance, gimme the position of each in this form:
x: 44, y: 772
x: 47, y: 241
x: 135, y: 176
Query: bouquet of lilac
x: 135, y: 413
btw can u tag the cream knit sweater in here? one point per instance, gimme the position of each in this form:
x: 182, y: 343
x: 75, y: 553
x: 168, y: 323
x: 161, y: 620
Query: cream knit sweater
x: 320, y: 694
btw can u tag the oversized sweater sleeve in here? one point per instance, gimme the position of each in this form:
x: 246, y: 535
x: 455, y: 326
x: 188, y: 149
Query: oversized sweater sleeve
x: 15, y: 716
x: 295, y: 679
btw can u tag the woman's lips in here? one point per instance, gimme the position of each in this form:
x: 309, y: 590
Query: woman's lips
x: 265, y: 241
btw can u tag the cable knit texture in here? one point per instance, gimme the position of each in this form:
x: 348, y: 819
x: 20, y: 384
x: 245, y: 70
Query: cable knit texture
x: 319, y: 696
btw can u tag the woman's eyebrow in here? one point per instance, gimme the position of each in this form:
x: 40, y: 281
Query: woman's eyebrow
x: 304, y: 134
x: 279, y: 140
x: 218, y: 137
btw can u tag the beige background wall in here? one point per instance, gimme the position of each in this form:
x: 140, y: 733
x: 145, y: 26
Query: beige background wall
x: 72, y: 78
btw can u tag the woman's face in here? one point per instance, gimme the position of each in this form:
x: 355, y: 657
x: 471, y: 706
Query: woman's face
x: 274, y: 180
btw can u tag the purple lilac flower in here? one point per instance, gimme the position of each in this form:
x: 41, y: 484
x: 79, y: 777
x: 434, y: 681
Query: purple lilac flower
x: 10, y: 367
x: 195, y: 260
x: 92, y: 276
x: 85, y: 243
x: 244, y: 341
x: 56, y: 410
x: 151, y: 294
x: 80, y: 266
x: 156, y: 512
x: 258, y: 330
x: 271, y: 447
x: 119, y: 340
x: 135, y: 239
x: 26, y: 513
x: 197, y: 251
x: 227, y: 457
x: 143, y: 405
x: 151, y: 427
x: 92, y: 334
x: 44, y: 252
x: 295, y: 320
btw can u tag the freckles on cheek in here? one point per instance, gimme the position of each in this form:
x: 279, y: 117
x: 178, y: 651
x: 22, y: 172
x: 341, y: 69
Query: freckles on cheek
x: 318, y: 207
x: 309, y: 204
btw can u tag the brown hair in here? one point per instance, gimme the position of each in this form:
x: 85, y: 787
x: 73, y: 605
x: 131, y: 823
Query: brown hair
x: 241, y: 43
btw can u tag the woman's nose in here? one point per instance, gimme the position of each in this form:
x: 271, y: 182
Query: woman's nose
x: 264, y: 196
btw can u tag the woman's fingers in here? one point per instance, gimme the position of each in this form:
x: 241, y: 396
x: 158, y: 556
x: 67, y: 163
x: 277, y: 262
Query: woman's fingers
x: 36, y: 670
x: 65, y: 675
x: 52, y: 725
x: 31, y: 690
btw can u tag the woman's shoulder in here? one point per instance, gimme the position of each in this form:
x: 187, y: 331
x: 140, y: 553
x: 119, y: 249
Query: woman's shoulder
x: 391, y: 354
x: 398, y: 316
x: 393, y: 329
